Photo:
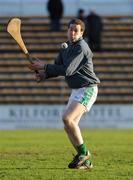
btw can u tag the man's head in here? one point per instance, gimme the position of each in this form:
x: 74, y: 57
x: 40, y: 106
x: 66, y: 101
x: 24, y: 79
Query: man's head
x: 76, y: 29
x: 81, y: 12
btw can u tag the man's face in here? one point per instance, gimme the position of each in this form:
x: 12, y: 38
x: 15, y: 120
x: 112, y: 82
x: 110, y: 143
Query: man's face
x: 74, y: 32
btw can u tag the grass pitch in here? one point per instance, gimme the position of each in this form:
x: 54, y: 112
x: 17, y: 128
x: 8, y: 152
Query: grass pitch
x: 43, y: 154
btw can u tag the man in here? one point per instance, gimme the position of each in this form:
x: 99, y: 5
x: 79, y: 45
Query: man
x: 75, y: 63
x: 94, y: 27
x: 55, y: 9
x: 81, y: 14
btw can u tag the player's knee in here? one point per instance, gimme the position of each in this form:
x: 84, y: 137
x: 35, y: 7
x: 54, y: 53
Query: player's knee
x: 67, y: 121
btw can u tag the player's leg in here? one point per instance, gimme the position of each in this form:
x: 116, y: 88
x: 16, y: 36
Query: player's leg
x: 71, y: 119
x: 70, y: 136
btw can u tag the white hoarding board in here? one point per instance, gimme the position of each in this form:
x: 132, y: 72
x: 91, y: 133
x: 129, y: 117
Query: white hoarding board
x: 49, y: 116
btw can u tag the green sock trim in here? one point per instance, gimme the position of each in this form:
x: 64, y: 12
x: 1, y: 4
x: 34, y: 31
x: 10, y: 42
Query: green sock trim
x: 82, y: 149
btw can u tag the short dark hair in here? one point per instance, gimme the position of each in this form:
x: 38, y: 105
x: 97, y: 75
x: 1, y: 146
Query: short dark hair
x: 77, y: 22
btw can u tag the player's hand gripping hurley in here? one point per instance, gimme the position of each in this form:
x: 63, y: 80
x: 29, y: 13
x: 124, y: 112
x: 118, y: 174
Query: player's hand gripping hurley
x: 14, y: 29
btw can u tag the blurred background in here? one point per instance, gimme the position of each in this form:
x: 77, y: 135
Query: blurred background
x: 39, y: 7
x: 24, y: 103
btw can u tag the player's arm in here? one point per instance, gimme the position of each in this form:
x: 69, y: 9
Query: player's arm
x: 70, y: 66
x: 41, y: 67
x: 67, y: 68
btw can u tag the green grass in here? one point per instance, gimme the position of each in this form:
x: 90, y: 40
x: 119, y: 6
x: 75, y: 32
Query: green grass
x: 39, y: 154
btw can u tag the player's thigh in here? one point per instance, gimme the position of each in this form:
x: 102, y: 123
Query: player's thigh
x: 74, y: 111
